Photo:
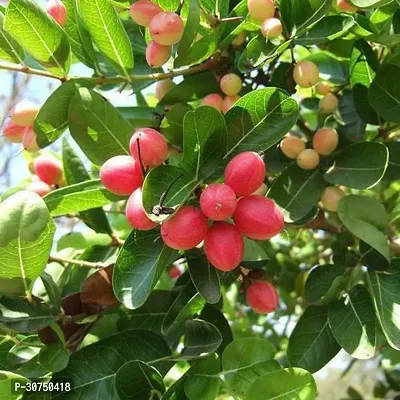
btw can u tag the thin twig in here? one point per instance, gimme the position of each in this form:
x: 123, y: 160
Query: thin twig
x: 80, y: 263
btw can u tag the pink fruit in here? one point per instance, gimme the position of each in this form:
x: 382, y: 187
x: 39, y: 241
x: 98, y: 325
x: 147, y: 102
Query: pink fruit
x: 39, y: 187
x: 231, y: 84
x: 224, y: 246
x: 24, y: 113
x: 174, y: 272
x: 325, y: 141
x: 292, y: 146
x: 245, y: 173
x: 343, y: 5
x: 13, y: 132
x: 143, y: 11
x: 152, y: 145
x: 271, y: 28
x: 166, y: 28
x: 218, y: 201
x: 329, y: 103
x: 121, y: 175
x: 157, y: 55
x: 163, y: 87
x: 29, y: 141
x: 308, y: 159
x: 322, y: 88
x: 305, y: 74
x: 258, y: 217
x: 185, y: 230
x: 261, y: 9
x: 48, y: 169
x: 57, y: 10
x: 213, y: 100
x: 135, y: 213
x: 262, y: 297
x: 330, y: 198
x: 228, y: 102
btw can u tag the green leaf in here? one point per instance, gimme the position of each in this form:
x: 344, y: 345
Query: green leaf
x: 327, y: 29
x: 26, y: 238
x: 201, y: 337
x: 205, y: 279
x: 54, y: 357
x: 170, y: 180
x: 298, y: 16
x: 192, y: 88
x: 191, y: 28
x: 10, y: 50
x: 323, y: 283
x: 79, y: 197
x: 352, y: 322
x: 98, y: 128
x: 142, y: 68
x: 331, y: 68
x: 359, y: 166
x: 52, y: 119
x: 204, y: 141
x: 368, y: 3
x: 107, y: 32
x: 52, y: 290
x: 92, y: 370
x: 312, y: 344
x: 393, y: 169
x: 172, y: 123
x: 297, y: 191
x: 7, y: 385
x: 139, y: 265
x: 142, y: 116
x: 137, y: 380
x: 245, y: 360
x: 19, y: 316
x: 363, y: 64
x: 75, y: 172
x: 186, y: 304
x: 259, y: 120
x: 285, y: 384
x: 367, y: 219
x: 39, y: 35
x: 78, y: 36
x: 385, y: 291
x: 384, y: 93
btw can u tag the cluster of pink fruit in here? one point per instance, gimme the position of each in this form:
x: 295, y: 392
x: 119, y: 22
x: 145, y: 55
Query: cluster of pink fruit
x: 165, y: 28
x: 264, y: 11
x: 231, y: 85
x: 19, y: 129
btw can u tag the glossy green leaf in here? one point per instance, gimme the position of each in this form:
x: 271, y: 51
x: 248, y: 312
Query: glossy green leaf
x: 298, y: 16
x: 170, y: 181
x: 201, y: 337
x: 98, y: 128
x: 52, y: 119
x: 26, y: 238
x: 352, y: 322
x: 205, y: 278
x: 191, y: 28
x: 138, y: 117
x: 108, y: 33
x: 172, y: 124
x: 259, y: 120
x: 204, y: 142
x: 393, y: 169
x: 323, y: 283
x: 92, y: 370
x: 7, y: 385
x: 245, y: 360
x: 137, y: 380
x: 284, y: 384
x: 75, y: 172
x: 139, y: 265
x: 78, y: 36
x: 54, y: 357
x: 10, y: 50
x: 186, y: 304
x: 19, y: 316
x: 79, y: 197
x: 39, y: 35
x: 52, y: 290
x: 363, y: 64
x: 312, y: 344
x: 368, y: 3
x: 384, y: 288
x: 367, y: 219
x: 331, y: 68
x: 296, y: 191
x: 384, y: 92
x: 359, y: 166
x: 327, y: 29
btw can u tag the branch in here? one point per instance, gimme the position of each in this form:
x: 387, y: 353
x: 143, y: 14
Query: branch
x: 28, y: 70
x: 80, y: 263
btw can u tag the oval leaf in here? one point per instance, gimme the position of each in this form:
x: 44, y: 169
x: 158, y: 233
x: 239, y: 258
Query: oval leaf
x: 10, y: 50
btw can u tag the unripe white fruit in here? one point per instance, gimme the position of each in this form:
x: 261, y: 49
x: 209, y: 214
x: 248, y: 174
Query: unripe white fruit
x: 308, y: 159
x: 305, y: 74
x: 330, y: 198
x: 231, y: 84
x: 322, y: 88
x: 260, y: 10
x: 271, y: 28
x: 292, y: 146
x: 329, y: 103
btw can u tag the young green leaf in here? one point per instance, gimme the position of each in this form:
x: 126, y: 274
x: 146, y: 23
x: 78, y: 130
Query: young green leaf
x: 10, y: 50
